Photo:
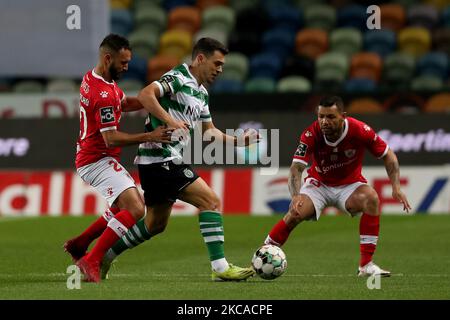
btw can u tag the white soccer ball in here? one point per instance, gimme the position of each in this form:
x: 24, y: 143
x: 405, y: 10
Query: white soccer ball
x: 269, y: 262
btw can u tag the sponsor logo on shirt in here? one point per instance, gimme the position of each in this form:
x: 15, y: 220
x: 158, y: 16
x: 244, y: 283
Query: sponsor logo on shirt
x: 107, y: 115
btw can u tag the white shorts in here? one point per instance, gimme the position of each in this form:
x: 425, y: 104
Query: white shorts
x: 324, y: 196
x: 108, y: 177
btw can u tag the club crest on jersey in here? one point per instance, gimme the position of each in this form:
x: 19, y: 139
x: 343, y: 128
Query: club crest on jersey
x: 107, y: 115
x: 350, y: 153
x: 301, y: 150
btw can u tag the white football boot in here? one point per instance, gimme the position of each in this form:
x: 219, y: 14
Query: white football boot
x: 371, y: 269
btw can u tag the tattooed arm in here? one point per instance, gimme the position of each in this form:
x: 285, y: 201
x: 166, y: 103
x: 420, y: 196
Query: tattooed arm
x: 295, y: 178
x: 393, y: 172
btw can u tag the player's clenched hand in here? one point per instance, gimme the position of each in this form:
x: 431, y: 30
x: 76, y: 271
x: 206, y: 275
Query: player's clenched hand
x: 400, y: 196
x: 161, y: 134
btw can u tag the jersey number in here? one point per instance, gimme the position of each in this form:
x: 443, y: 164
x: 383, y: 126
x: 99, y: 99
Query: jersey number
x: 83, y: 123
x: 115, y: 166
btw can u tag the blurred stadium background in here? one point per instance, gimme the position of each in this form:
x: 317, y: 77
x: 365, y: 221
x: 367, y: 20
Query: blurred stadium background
x: 284, y: 55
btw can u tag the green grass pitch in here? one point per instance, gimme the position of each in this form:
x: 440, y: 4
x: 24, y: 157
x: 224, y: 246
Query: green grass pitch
x: 322, y: 260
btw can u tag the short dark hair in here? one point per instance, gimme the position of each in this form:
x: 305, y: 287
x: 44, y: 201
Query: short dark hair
x: 114, y: 43
x: 330, y: 101
x: 207, y: 46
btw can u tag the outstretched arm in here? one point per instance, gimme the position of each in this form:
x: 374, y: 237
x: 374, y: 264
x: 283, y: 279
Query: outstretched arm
x: 249, y: 137
x: 130, y: 104
x: 393, y: 172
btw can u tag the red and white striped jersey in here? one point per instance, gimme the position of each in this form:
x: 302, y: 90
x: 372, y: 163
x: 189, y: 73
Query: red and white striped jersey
x: 100, y: 110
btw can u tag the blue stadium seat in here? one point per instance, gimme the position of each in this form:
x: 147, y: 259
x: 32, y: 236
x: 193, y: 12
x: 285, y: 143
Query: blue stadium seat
x: 227, y: 86
x: 285, y: 17
x: 433, y: 63
x: 248, y: 42
x: 359, y: 85
x: 279, y: 42
x: 353, y: 15
x: 137, y: 69
x: 423, y: 15
x: 121, y: 21
x: 382, y: 42
x: 266, y: 65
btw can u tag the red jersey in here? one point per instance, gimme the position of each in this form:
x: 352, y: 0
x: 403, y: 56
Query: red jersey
x: 100, y: 110
x: 340, y: 162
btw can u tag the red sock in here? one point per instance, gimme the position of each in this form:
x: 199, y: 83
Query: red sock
x: 369, y: 229
x: 117, y: 227
x: 96, y: 229
x: 279, y: 234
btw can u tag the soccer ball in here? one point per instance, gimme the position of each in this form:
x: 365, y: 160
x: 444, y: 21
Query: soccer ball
x: 269, y: 262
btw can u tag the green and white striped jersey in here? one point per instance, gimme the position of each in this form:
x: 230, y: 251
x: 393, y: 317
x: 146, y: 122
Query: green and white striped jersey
x: 183, y: 99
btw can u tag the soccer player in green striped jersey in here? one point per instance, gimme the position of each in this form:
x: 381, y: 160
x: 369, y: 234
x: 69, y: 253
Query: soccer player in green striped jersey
x: 180, y: 101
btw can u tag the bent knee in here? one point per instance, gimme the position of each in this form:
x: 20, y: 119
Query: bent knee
x: 136, y: 210
x: 211, y: 203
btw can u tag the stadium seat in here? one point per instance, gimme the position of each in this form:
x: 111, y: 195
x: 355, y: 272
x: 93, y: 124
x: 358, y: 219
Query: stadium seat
x: 227, y: 86
x: 265, y: 64
x: 441, y: 40
x: 303, y: 4
x: 236, y: 67
x: 130, y: 85
x: 294, y: 84
x: 240, y: 5
x: 359, y: 85
x: 279, y: 42
x: 352, y: 16
x: 137, y: 69
x: 332, y: 66
x: 62, y: 86
x: 185, y: 18
x: 28, y: 86
x: 219, y: 35
x: 285, y: 17
x: 144, y: 44
x: 440, y: 4
x: 159, y: 65
x: 423, y: 15
x: 427, y: 83
x: 364, y: 105
x: 393, y: 16
x: 121, y: 21
x: 218, y: 17
x: 248, y: 42
x: 311, y: 42
x: 438, y: 103
x: 177, y: 43
x: 434, y: 63
x: 151, y: 19
x: 120, y: 4
x: 408, y: 103
x: 414, y: 40
x: 206, y: 4
x: 299, y: 66
x: 320, y: 16
x: 366, y: 65
x: 171, y: 4
x: 382, y: 42
x: 445, y: 17
x: 406, y: 3
x: 398, y: 70
x: 140, y: 4
x: 260, y: 84
x: 346, y: 40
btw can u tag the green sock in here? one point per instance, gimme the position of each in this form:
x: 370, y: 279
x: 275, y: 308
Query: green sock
x: 211, y: 227
x: 136, y: 235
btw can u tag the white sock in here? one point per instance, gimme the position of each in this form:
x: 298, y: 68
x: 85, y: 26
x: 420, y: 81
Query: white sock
x: 220, y: 265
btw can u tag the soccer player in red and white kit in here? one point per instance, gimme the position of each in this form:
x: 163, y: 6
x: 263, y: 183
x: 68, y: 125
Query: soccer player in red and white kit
x: 335, y: 145
x: 98, y: 152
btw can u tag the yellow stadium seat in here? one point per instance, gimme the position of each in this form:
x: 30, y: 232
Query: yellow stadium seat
x: 414, y: 40
x: 177, y: 43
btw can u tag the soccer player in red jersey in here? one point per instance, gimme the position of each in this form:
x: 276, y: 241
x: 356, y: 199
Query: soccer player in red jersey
x: 98, y: 151
x: 335, y: 145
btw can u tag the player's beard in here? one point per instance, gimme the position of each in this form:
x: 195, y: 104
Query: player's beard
x: 115, y: 75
